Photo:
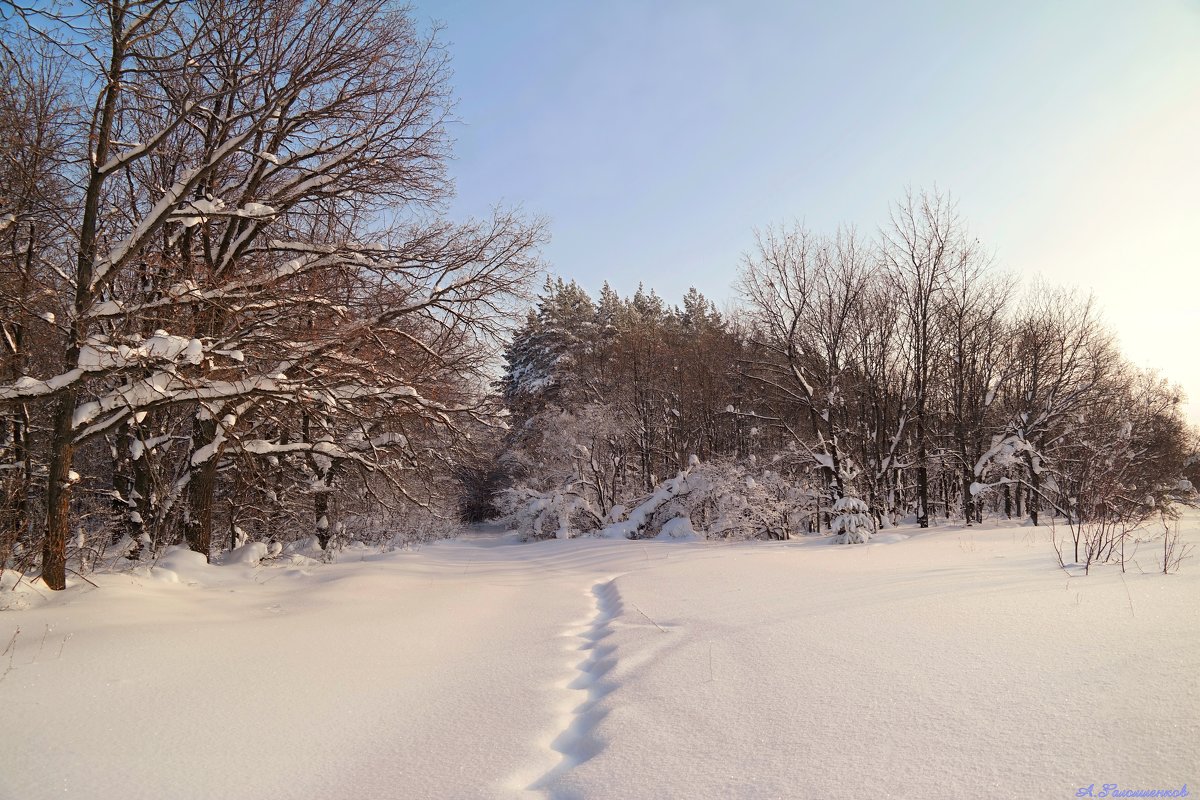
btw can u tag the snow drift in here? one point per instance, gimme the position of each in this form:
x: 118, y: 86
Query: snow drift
x: 942, y: 665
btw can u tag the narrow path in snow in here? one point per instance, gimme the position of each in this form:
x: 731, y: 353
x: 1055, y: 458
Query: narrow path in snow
x: 577, y: 742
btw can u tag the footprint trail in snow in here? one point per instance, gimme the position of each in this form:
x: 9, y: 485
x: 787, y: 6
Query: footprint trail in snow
x: 578, y: 742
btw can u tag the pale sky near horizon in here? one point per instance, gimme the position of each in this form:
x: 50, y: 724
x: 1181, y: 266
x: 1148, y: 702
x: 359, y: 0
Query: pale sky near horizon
x: 656, y: 136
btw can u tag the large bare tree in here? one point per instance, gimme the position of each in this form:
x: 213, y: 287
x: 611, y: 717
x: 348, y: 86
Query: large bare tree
x: 924, y: 248
x: 807, y: 296
x: 259, y: 214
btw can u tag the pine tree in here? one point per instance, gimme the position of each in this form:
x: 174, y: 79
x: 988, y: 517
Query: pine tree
x: 539, y: 359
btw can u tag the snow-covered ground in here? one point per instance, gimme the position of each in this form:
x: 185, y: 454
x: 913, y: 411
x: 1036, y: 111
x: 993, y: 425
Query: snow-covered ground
x: 952, y: 663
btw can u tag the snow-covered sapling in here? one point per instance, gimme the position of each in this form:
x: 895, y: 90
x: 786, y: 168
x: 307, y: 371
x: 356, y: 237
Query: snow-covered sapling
x: 852, y: 525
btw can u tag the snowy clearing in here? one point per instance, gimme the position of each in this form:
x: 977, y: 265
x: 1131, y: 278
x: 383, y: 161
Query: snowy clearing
x: 940, y: 664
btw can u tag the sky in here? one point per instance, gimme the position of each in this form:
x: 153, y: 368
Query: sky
x: 656, y: 136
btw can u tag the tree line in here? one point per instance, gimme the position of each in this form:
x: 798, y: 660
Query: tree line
x: 902, y: 369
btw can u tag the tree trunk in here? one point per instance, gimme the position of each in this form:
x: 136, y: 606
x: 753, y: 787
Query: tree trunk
x: 18, y: 512
x: 968, y: 498
x: 25, y: 513
x: 321, y: 516
x: 58, y: 493
x: 62, y: 442
x: 922, y: 472
x: 947, y: 494
x: 201, y: 489
x: 200, y: 496
x: 1035, y: 485
x: 143, y: 503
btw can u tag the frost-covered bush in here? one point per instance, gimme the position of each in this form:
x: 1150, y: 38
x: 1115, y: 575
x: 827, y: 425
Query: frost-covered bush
x: 718, y: 499
x: 646, y: 517
x: 561, y: 512
x: 722, y: 500
x: 567, y: 511
x: 736, y: 500
x: 852, y: 525
x: 569, y: 470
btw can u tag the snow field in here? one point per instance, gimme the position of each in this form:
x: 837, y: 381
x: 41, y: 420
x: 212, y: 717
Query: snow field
x: 945, y: 664
x: 952, y: 664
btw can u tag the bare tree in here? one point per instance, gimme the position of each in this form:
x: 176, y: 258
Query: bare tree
x: 807, y: 296
x: 34, y: 198
x: 226, y: 135
x: 972, y: 317
x: 1062, y: 364
x: 923, y: 248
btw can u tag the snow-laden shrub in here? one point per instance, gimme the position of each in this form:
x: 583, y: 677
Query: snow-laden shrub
x: 562, y: 512
x: 718, y: 499
x: 647, y: 517
x: 567, y: 511
x: 570, y: 472
x: 722, y: 500
x: 736, y: 500
x: 852, y: 525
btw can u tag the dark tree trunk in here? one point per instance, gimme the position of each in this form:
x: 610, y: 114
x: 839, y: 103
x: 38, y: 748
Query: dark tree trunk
x: 321, y: 517
x: 58, y: 493
x: 968, y: 498
x: 124, y: 501
x: 142, y: 500
x: 1035, y: 486
x: 62, y: 443
x: 922, y: 472
x: 201, y: 489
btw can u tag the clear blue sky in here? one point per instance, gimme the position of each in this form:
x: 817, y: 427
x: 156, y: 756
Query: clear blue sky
x: 655, y: 136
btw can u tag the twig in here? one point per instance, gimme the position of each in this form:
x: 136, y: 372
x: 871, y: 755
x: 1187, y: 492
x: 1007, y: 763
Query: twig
x: 31, y: 585
x: 12, y: 642
x: 12, y: 652
x: 1128, y: 596
x: 652, y: 622
x: 78, y: 575
x: 43, y: 644
x: 1058, y: 551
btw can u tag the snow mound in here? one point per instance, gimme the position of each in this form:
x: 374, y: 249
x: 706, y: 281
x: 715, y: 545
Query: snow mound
x: 678, y: 528
x: 180, y: 565
x: 249, y: 554
x: 308, y: 549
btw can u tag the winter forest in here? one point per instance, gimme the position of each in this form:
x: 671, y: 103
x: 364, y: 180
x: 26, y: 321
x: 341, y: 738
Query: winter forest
x: 232, y: 313
x: 311, y: 485
x: 904, y: 372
